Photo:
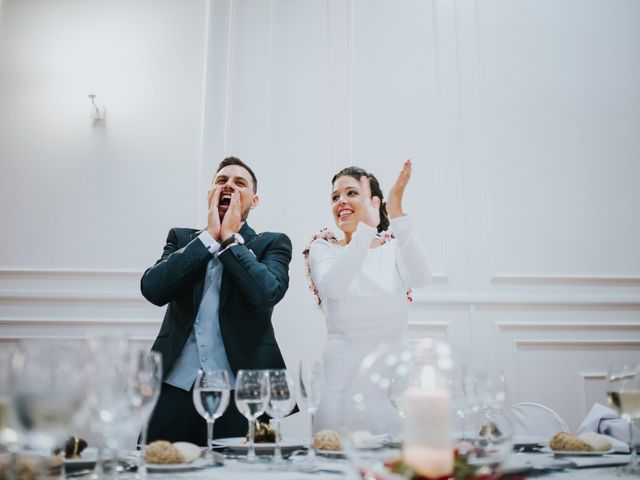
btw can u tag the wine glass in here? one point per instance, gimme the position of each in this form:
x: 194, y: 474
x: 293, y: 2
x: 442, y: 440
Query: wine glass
x: 110, y: 411
x: 9, y: 432
x: 281, y: 402
x: 623, y: 394
x: 311, y: 381
x: 398, y: 385
x: 145, y: 380
x: 252, y: 396
x: 48, y: 379
x: 211, y: 398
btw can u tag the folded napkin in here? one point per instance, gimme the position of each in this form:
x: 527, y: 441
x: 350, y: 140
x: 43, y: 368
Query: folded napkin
x: 606, y: 421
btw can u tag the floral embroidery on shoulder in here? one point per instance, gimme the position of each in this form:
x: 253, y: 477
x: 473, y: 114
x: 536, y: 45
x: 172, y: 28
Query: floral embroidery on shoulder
x: 323, y: 234
x: 329, y: 236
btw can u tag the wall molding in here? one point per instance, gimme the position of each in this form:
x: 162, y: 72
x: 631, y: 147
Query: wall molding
x: 613, y: 326
x: 60, y: 296
x: 576, y: 301
x: 16, y: 338
x: 611, y: 344
x: 605, y: 280
x: 84, y: 322
x: 68, y: 272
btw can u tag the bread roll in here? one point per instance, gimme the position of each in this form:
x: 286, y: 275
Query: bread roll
x: 600, y: 443
x: 566, y: 442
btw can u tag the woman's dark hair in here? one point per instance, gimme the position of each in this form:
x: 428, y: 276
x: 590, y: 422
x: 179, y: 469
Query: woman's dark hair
x: 358, y: 173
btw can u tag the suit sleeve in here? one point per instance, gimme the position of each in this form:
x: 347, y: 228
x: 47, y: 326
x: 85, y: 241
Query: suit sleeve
x: 174, y: 270
x: 262, y: 282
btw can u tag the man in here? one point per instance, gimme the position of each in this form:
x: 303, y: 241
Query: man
x: 221, y: 285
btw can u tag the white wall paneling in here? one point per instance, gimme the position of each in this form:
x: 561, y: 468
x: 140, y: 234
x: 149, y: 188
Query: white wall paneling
x: 520, y: 117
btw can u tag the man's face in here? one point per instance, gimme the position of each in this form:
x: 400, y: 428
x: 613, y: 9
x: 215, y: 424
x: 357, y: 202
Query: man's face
x: 234, y: 178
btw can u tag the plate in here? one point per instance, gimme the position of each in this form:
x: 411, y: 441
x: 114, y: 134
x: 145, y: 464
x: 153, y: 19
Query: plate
x: 529, y: 441
x: 331, y: 453
x: 178, y: 467
x: 567, y: 453
x: 239, y: 444
x: 87, y: 460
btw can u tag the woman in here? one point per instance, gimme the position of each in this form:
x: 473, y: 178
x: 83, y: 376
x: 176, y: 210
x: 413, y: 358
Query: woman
x: 362, y: 282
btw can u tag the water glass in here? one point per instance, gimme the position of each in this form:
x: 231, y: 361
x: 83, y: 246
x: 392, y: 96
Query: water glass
x: 281, y: 402
x: 145, y: 381
x: 623, y: 394
x: 252, y: 397
x: 311, y: 381
x: 211, y: 393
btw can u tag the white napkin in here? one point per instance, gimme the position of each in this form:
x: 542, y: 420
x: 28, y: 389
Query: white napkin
x: 606, y: 421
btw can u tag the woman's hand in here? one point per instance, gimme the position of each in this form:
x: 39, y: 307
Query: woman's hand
x: 371, y: 204
x: 394, y: 203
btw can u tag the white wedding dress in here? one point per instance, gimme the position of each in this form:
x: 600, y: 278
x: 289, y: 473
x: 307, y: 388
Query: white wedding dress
x: 363, y: 292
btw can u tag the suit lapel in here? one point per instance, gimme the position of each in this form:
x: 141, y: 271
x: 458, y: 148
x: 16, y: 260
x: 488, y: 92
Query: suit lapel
x: 248, y: 234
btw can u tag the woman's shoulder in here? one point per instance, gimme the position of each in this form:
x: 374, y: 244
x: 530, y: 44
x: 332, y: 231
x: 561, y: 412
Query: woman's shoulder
x: 323, y: 237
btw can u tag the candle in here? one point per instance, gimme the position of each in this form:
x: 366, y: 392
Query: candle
x: 428, y: 430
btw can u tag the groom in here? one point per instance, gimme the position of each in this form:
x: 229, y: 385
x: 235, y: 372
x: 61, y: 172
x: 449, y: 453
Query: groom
x: 220, y: 285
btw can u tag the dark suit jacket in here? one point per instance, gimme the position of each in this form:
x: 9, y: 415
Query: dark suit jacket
x: 254, y: 279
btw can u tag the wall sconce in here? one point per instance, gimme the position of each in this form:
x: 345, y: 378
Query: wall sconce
x: 96, y: 112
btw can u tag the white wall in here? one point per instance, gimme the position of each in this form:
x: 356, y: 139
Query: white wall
x: 521, y: 119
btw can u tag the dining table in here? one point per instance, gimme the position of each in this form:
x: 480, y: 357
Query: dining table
x: 233, y: 466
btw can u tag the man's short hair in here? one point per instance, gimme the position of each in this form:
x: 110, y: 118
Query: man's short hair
x: 236, y: 161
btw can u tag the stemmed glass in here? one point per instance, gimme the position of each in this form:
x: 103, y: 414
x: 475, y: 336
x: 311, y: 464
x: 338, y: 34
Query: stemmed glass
x: 145, y: 380
x: 252, y: 396
x: 623, y: 394
x: 9, y: 433
x: 48, y: 381
x: 311, y: 381
x: 281, y: 401
x: 211, y: 398
x: 110, y: 410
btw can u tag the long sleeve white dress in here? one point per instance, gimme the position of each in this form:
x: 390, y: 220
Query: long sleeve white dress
x: 363, y: 293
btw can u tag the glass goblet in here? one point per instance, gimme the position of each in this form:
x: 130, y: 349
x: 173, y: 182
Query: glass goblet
x: 623, y: 394
x: 311, y: 382
x: 145, y: 380
x: 251, y: 396
x: 48, y: 390
x: 281, y: 402
x: 211, y: 393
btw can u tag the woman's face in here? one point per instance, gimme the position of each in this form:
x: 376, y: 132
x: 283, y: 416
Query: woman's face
x: 347, y: 203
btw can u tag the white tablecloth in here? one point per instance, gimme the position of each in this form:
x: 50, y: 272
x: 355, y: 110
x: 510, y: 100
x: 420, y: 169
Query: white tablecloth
x: 342, y: 469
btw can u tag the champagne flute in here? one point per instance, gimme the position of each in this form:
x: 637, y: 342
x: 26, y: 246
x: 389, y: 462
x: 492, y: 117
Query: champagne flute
x: 211, y: 393
x: 311, y: 381
x: 281, y: 402
x: 145, y: 380
x: 623, y: 395
x: 252, y: 396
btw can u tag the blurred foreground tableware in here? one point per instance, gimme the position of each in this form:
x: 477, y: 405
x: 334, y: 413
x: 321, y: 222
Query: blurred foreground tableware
x: 311, y: 380
x: 623, y: 394
x: 48, y: 379
x: 145, y: 381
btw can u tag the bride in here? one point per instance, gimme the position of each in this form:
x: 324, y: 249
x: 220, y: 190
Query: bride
x: 362, y: 282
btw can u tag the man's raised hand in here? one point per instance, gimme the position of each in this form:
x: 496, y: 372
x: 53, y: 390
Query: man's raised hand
x: 213, y: 219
